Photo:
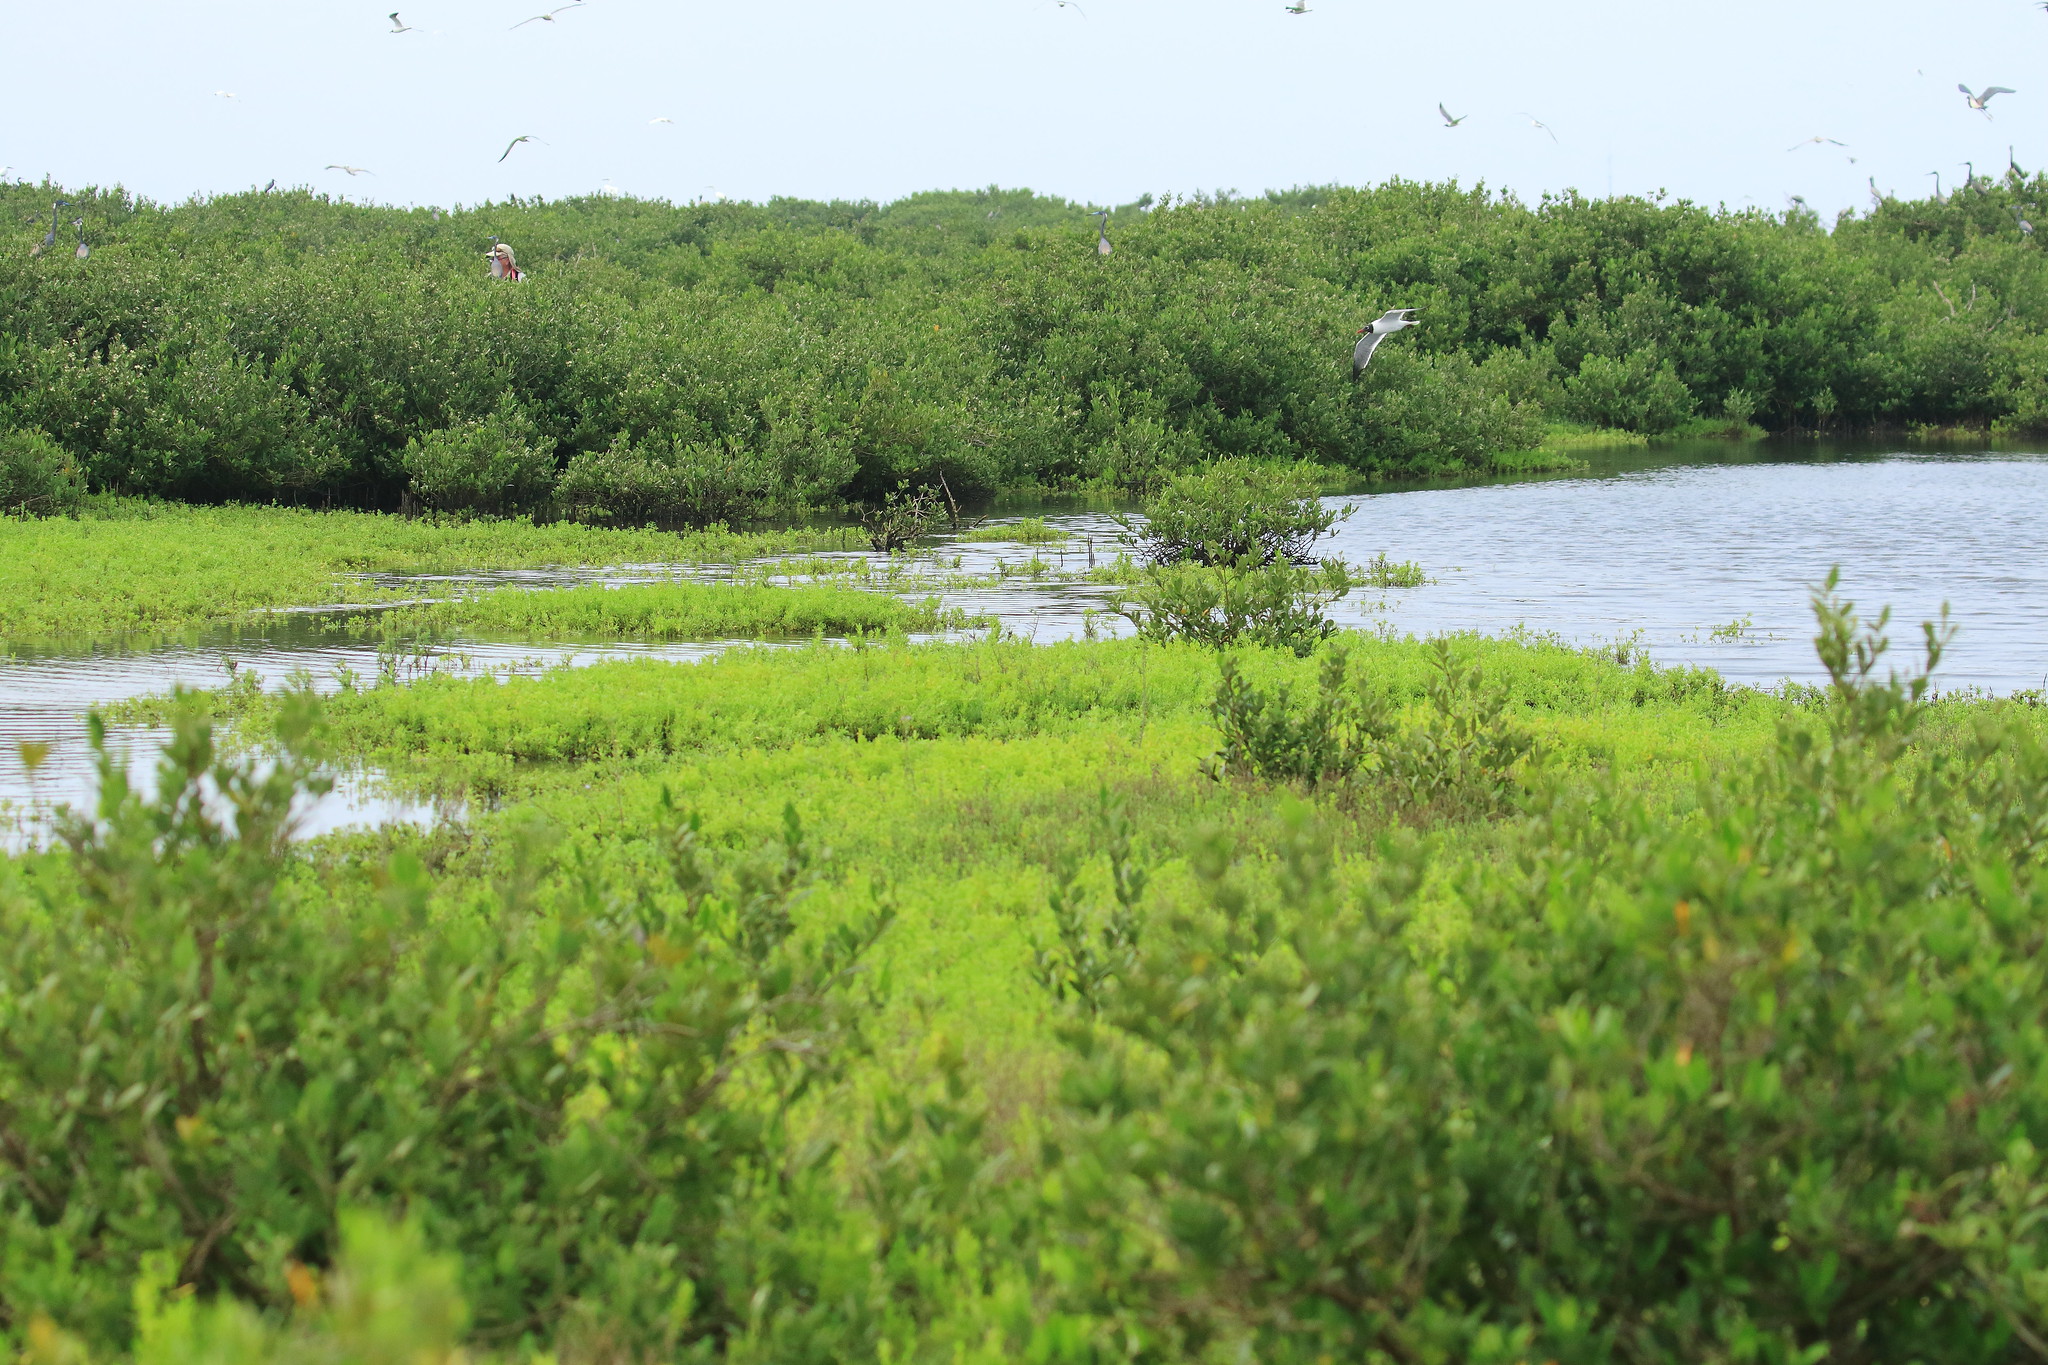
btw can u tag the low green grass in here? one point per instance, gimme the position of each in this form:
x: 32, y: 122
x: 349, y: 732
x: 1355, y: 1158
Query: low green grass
x: 130, y: 568
x: 673, y: 611
x: 1028, y: 531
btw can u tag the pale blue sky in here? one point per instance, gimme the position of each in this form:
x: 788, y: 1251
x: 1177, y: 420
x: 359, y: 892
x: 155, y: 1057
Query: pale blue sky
x: 880, y: 99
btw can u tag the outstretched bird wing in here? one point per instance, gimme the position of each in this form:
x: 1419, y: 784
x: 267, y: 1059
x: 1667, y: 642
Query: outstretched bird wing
x: 1991, y: 90
x: 1361, y: 354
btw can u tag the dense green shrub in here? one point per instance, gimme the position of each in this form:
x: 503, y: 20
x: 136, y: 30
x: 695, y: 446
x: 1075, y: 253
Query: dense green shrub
x: 1638, y: 392
x: 1280, y: 605
x: 1237, y: 512
x: 205, y: 1061
x: 668, y: 485
x: 38, y: 477
x: 495, y: 467
x: 1761, y: 1085
x: 287, y: 347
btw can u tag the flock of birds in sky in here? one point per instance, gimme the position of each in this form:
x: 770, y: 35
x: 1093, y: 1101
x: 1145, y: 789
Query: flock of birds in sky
x: 1369, y: 336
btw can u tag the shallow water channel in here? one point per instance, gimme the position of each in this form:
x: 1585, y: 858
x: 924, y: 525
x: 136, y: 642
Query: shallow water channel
x: 1701, y: 554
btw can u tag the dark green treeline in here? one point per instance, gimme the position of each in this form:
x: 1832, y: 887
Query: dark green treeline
x: 761, y: 358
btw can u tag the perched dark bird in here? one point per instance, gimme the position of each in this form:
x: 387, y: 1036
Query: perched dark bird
x: 1370, y: 336
x: 271, y: 186
x: 2026, y: 228
x: 50, y: 237
x: 1102, y: 246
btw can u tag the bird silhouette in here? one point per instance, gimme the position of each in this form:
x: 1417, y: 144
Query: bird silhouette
x: 523, y: 137
x: 1983, y: 97
x: 1378, y: 330
x: 1102, y: 246
x: 353, y: 171
x: 549, y: 17
x: 1450, y: 122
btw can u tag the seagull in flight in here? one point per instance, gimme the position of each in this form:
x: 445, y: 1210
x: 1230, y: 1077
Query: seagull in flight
x: 1537, y: 122
x: 1450, y: 122
x: 399, y: 25
x: 523, y: 137
x: 353, y: 171
x: 223, y: 94
x: 1983, y: 97
x: 1815, y: 141
x: 654, y: 121
x: 549, y: 17
x: 1298, y: 7
x: 1370, y: 336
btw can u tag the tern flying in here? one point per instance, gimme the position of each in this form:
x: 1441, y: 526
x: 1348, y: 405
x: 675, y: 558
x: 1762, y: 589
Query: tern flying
x: 660, y: 120
x: 549, y: 17
x: 1983, y: 97
x: 1815, y: 140
x: 1370, y: 336
x: 523, y: 137
x: 1537, y: 122
x: 352, y: 170
x: 1450, y: 122
x: 399, y: 25
x: 1298, y: 7
x: 223, y: 94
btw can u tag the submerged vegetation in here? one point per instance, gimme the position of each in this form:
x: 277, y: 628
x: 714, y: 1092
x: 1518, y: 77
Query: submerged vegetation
x: 684, y: 365
x: 1126, y: 1000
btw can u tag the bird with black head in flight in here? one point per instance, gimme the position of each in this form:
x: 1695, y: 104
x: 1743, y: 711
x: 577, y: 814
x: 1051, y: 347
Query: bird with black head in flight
x: 1379, y: 329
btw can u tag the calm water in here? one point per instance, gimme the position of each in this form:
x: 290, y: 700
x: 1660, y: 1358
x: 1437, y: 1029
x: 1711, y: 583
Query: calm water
x: 1701, y: 555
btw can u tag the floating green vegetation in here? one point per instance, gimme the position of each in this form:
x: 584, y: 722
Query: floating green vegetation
x: 673, y: 611
x: 1028, y: 531
x: 133, y: 567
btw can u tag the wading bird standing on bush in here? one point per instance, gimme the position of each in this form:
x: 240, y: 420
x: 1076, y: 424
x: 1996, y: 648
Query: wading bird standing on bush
x: 1102, y: 246
x: 50, y: 238
x: 1370, y: 336
x: 83, y: 250
x: 1983, y: 97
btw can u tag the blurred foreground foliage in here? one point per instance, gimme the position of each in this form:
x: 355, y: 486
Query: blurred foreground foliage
x: 1470, y: 1001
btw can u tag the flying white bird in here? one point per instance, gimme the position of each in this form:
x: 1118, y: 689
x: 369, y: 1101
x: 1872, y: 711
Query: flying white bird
x: 1814, y: 141
x: 1539, y: 123
x: 523, y: 137
x: 398, y: 25
x: 1450, y: 122
x: 549, y: 17
x: 1983, y: 97
x: 352, y: 170
x: 1068, y: 4
x: 223, y: 94
x: 1298, y: 7
x: 653, y: 121
x: 1370, y: 336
